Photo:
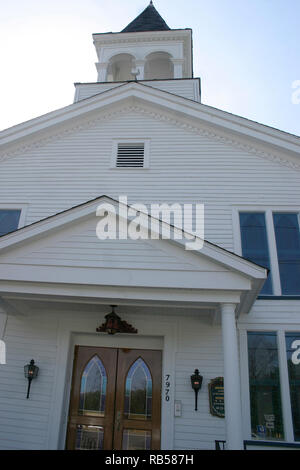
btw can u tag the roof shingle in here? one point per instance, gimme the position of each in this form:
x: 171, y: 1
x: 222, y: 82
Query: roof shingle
x: 148, y: 20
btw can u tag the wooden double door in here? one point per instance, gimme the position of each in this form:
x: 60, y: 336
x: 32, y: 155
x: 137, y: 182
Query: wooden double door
x: 115, y: 399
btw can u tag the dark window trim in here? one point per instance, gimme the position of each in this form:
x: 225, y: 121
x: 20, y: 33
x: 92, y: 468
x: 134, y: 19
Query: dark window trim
x: 271, y: 444
x: 278, y: 297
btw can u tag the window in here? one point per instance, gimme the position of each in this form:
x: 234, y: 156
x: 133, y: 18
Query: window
x: 293, y: 364
x: 264, y: 381
x: 274, y: 384
x: 272, y: 239
x: 130, y: 153
x: 255, y: 243
x: 9, y: 220
x: 288, y: 251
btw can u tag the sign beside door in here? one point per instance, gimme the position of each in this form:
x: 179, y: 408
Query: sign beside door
x: 115, y: 399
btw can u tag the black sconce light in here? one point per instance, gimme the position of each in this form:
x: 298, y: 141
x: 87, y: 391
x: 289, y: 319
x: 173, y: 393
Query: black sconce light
x: 31, y: 372
x: 196, y: 380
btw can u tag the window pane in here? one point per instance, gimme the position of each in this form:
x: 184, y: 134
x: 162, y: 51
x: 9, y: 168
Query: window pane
x: 138, y: 392
x: 293, y: 360
x: 265, y: 397
x: 136, y: 439
x: 288, y: 252
x: 89, y: 437
x: 255, y: 243
x: 9, y: 220
x: 93, y: 389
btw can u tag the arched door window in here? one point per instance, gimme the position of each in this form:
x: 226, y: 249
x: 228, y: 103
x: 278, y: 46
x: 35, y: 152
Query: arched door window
x: 93, y: 388
x: 138, y: 392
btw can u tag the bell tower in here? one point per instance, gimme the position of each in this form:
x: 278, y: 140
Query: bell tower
x: 147, y: 49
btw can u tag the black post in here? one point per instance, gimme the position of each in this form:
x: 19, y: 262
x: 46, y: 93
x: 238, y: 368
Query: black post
x: 29, y: 384
x: 196, y: 400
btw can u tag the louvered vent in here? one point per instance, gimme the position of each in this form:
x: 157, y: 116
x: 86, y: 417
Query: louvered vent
x: 130, y: 155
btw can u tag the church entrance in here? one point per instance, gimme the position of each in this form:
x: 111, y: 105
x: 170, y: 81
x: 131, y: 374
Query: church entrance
x: 115, y: 399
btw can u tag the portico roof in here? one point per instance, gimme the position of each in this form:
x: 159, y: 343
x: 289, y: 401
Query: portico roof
x: 61, y: 256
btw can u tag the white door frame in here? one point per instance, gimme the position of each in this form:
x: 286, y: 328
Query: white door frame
x: 153, y: 326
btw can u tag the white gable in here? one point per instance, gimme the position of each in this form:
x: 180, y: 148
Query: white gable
x: 43, y: 256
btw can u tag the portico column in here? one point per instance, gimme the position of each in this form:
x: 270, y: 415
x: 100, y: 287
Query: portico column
x: 140, y: 68
x: 178, y: 67
x: 232, y: 386
x: 102, y: 71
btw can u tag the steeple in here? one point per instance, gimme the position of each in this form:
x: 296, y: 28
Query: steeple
x: 148, y: 20
x: 147, y: 49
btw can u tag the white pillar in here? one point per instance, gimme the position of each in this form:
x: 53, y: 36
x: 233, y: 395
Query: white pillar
x: 102, y: 71
x: 178, y: 67
x: 232, y: 384
x: 140, y: 67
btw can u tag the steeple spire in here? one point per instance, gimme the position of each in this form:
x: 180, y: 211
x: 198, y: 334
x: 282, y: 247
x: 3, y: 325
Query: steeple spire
x: 148, y: 20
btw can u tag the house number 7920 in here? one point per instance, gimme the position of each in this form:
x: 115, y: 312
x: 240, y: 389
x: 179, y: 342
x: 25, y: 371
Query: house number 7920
x: 167, y: 387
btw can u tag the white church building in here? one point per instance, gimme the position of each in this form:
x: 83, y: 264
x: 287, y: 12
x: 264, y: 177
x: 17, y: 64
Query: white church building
x: 143, y: 342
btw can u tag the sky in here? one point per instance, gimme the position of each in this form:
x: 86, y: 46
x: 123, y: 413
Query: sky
x: 246, y: 52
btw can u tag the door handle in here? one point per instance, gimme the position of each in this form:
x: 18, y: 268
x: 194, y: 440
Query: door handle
x: 118, y: 421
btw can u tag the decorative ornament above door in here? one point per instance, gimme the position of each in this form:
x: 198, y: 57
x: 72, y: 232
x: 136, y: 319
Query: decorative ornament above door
x: 113, y: 324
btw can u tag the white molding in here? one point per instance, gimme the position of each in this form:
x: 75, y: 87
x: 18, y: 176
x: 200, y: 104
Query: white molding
x: 254, y: 138
x: 275, y: 275
x: 60, y: 401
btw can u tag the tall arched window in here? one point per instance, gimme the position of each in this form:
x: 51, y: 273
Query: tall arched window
x: 159, y: 66
x: 138, y: 391
x: 93, y: 388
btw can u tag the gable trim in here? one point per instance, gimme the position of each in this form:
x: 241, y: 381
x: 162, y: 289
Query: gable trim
x: 83, y: 211
x: 252, y: 137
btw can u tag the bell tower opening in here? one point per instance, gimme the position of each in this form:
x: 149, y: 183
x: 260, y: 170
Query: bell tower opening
x: 120, y: 68
x: 159, y: 66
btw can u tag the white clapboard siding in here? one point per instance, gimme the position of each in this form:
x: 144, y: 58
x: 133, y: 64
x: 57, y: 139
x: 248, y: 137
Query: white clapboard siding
x: 199, y: 347
x: 184, y: 167
x: 78, y: 245
x: 274, y: 312
x: 25, y: 423
x: 188, y: 88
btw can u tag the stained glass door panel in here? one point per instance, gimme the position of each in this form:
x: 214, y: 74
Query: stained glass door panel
x: 115, y: 399
x: 91, y: 415
x: 138, y: 400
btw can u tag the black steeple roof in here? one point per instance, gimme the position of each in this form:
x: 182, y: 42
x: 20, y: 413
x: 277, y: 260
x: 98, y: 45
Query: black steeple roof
x: 148, y: 20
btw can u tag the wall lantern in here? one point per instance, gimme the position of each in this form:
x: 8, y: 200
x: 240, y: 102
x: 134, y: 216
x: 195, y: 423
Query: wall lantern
x: 196, y: 381
x: 31, y: 372
x: 113, y: 324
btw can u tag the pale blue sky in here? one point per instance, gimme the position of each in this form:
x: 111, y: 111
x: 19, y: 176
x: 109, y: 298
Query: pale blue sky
x: 247, y: 53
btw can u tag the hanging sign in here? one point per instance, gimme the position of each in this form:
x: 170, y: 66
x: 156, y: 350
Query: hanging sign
x: 216, y: 397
